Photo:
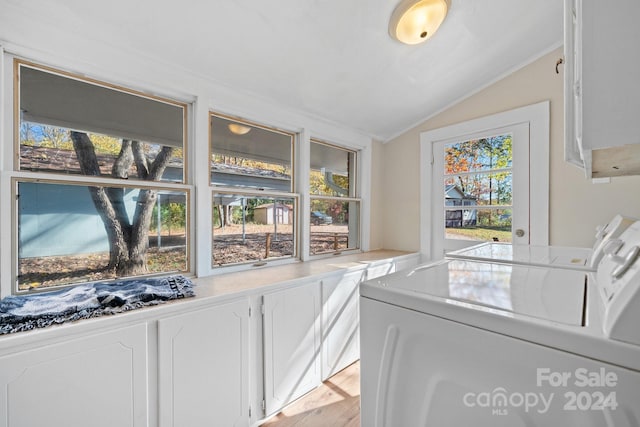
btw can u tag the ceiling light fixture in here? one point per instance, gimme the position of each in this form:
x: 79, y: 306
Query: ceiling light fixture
x: 415, y: 21
x: 238, y: 129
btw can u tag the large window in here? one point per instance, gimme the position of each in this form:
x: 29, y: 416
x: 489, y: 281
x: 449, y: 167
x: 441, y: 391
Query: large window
x: 335, y: 210
x: 75, y: 140
x: 254, y: 212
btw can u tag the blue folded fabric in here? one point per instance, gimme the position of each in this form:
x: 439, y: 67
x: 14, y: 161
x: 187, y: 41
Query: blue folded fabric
x: 26, y: 312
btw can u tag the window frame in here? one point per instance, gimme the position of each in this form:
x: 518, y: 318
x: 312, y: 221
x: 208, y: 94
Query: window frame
x: 257, y: 192
x: 114, y: 183
x: 15, y: 175
x: 198, y: 102
x: 354, y: 196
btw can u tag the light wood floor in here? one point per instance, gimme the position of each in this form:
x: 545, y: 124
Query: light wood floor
x: 335, y: 403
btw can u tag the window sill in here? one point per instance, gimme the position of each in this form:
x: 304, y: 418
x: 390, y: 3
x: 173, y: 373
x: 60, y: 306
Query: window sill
x: 247, y: 281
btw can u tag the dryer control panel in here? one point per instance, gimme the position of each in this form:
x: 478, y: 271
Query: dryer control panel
x: 618, y: 279
x: 604, y: 234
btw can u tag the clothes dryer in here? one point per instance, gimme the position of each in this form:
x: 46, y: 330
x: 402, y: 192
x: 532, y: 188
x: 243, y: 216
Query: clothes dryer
x: 464, y: 342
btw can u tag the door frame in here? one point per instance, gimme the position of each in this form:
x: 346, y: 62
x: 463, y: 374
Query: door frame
x: 537, y: 116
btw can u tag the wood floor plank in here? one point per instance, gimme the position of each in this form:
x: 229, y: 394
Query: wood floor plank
x: 335, y: 403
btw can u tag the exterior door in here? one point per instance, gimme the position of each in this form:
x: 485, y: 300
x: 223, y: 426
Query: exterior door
x: 486, y: 180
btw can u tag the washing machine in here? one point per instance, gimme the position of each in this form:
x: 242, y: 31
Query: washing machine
x: 463, y: 342
x: 552, y: 256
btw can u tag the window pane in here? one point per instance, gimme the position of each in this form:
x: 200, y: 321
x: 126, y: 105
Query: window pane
x: 478, y: 224
x: 76, y: 127
x: 478, y: 155
x: 252, y: 228
x: 334, y: 226
x: 248, y: 156
x: 63, y: 238
x: 331, y: 171
x: 50, y: 149
x: 479, y: 189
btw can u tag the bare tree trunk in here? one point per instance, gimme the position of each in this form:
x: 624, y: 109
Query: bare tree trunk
x: 118, y: 250
x: 128, y: 240
x: 137, y: 263
x: 221, y: 215
x: 86, y: 154
x: 227, y: 215
x: 120, y: 169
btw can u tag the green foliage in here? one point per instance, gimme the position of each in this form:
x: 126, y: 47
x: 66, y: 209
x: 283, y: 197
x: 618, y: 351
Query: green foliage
x: 104, y: 144
x: 318, y: 184
x: 341, y: 180
x: 172, y: 216
x: 236, y: 214
x: 177, y: 153
x: 481, y: 156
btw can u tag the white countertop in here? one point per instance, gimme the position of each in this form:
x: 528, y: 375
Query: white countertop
x: 208, y: 290
x: 259, y: 277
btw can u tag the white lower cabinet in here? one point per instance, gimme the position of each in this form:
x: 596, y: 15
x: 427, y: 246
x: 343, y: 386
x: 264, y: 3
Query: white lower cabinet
x: 292, y: 341
x: 341, y: 314
x: 311, y: 332
x: 203, y: 367
x: 340, y: 322
x: 98, y: 380
x: 209, y: 365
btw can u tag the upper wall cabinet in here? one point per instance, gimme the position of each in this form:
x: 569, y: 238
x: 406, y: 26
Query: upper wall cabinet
x: 602, y: 91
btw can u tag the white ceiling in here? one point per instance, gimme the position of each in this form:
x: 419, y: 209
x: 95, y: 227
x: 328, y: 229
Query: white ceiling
x: 328, y: 58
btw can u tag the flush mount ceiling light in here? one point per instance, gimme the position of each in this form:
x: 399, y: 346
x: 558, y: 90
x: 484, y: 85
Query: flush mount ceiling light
x: 238, y: 129
x: 415, y: 21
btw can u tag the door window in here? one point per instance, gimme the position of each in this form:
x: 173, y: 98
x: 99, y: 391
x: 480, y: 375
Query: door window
x: 478, y: 189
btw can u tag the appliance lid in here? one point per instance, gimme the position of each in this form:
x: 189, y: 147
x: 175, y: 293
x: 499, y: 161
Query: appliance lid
x: 544, y: 256
x: 551, y: 294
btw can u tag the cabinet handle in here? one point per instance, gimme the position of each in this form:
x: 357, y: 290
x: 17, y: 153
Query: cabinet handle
x: 558, y: 62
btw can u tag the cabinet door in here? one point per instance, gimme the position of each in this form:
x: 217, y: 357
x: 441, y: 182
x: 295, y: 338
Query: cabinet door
x: 610, y: 60
x: 100, y: 380
x: 340, y: 322
x: 291, y: 344
x: 573, y: 82
x: 602, y: 97
x: 203, y: 367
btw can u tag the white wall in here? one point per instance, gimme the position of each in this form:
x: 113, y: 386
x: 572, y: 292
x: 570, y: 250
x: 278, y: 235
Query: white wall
x: 576, y: 205
x: 377, y: 197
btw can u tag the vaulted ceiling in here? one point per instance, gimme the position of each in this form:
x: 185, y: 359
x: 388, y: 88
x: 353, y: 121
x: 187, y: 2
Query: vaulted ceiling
x: 332, y: 59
